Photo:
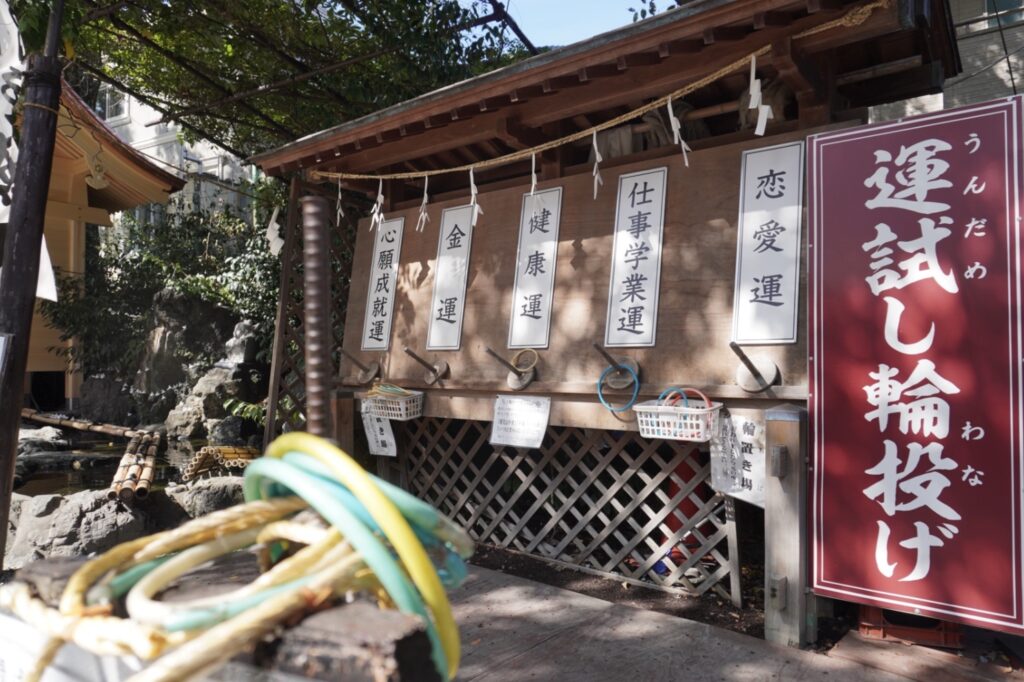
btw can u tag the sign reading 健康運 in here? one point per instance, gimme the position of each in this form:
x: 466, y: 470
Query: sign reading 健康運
x: 915, y: 364
x: 535, y: 270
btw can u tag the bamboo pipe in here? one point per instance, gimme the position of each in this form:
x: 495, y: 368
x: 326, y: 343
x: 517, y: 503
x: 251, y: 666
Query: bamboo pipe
x: 126, y: 492
x: 79, y: 425
x: 148, y: 469
x: 122, y: 468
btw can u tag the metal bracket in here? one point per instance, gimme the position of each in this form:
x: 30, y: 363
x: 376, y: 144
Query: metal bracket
x: 367, y: 373
x: 517, y: 378
x: 434, y: 372
x: 620, y: 378
x: 778, y: 461
x: 778, y: 589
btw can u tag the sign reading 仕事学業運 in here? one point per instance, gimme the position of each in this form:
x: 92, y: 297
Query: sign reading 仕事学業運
x: 636, y: 259
x: 915, y: 364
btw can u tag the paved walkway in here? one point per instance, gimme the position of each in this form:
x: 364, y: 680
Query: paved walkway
x: 515, y: 629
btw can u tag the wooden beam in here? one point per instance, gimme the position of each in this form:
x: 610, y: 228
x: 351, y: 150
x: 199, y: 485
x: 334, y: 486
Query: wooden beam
x: 674, y: 47
x: 763, y: 20
x: 642, y: 59
x: 724, y: 34
x: 590, y: 73
x: 797, y: 72
x: 815, y: 6
x: 518, y: 136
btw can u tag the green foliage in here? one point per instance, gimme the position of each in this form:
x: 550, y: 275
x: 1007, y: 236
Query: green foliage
x: 256, y: 412
x: 648, y: 8
x: 214, y: 258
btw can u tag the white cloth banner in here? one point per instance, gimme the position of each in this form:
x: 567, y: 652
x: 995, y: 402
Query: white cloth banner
x: 46, y: 280
x: 383, y: 285
x: 636, y: 259
x: 451, y: 271
x: 537, y: 255
x: 768, y: 245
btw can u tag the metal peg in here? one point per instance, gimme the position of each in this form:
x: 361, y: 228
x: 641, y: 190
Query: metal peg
x: 434, y: 372
x: 620, y: 378
x: 517, y: 378
x: 367, y: 373
x: 763, y: 383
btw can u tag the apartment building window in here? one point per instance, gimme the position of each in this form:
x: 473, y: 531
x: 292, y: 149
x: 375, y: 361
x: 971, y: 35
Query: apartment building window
x: 111, y: 103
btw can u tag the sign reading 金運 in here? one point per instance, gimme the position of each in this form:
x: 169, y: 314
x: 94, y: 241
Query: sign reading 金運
x: 449, y: 301
x: 915, y: 364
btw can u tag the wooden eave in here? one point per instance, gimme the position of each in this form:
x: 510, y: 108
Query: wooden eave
x: 904, y: 50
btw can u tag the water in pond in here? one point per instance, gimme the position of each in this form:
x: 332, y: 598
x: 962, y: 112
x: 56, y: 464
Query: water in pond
x: 91, y: 465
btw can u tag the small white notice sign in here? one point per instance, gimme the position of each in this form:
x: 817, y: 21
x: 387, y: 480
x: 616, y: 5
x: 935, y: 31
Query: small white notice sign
x: 520, y: 422
x: 379, y: 436
x: 450, y: 273
x: 636, y: 259
x: 738, y: 456
x: 535, y: 270
x: 383, y: 286
x: 768, y: 245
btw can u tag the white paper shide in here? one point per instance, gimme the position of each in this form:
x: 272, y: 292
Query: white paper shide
x: 451, y: 271
x: 383, y: 286
x: 537, y: 254
x: 636, y: 259
x: 768, y: 245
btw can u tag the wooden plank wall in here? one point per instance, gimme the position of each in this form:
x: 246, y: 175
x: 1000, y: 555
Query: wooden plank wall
x: 695, y: 316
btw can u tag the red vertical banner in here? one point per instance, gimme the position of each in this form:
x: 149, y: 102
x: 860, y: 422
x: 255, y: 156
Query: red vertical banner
x: 915, y: 364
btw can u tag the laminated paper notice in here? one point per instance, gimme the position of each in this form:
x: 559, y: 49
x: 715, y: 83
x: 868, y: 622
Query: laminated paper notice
x: 379, y: 436
x: 520, y: 422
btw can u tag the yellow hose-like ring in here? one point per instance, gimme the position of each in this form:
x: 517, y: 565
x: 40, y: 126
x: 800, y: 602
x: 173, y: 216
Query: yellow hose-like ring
x: 392, y: 524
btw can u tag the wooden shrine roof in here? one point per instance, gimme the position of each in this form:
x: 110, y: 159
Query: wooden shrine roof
x: 903, y: 50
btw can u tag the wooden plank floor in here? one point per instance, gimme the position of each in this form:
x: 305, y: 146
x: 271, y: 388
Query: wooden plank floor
x: 516, y: 629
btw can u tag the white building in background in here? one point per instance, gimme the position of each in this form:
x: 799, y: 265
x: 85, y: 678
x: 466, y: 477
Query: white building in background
x: 990, y: 37
x: 210, y: 171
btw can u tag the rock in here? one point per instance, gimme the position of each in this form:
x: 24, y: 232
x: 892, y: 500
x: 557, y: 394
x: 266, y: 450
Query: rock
x: 241, y: 348
x: 182, y: 330
x: 205, y: 402
x: 71, y: 526
x: 44, y: 439
x: 108, y: 401
x: 207, y: 495
x: 228, y: 431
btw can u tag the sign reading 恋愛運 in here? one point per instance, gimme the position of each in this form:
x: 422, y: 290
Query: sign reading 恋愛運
x: 383, y: 286
x: 915, y: 364
x: 768, y: 245
x: 451, y: 271
x: 379, y: 435
x: 535, y: 270
x: 519, y: 421
x: 636, y: 259
x: 738, y: 455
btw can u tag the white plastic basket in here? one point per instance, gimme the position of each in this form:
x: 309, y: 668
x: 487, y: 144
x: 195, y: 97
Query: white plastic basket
x: 678, y: 422
x: 398, y: 408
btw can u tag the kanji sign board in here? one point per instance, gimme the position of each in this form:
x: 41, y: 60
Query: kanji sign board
x: 915, y: 364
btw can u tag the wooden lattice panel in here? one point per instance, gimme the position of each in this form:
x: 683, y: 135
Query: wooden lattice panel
x: 607, y: 502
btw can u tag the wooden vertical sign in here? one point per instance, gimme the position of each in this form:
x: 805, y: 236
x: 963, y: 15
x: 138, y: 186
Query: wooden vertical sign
x: 451, y: 271
x: 383, y: 285
x: 535, y: 270
x: 636, y: 265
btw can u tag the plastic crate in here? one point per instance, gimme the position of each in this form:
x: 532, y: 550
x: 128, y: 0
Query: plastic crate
x: 677, y: 422
x: 398, y: 408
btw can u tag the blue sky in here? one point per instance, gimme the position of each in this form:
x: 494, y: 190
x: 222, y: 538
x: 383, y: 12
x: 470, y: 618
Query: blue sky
x: 561, y: 22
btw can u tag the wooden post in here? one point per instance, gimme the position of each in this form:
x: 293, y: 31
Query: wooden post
x: 22, y: 246
x: 316, y: 258
x: 343, y: 407
x: 789, y: 614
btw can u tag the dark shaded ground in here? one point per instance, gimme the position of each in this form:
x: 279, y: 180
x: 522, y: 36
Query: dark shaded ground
x: 709, y: 608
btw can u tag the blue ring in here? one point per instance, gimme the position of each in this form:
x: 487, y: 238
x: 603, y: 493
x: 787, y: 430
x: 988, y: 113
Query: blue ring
x: 636, y: 388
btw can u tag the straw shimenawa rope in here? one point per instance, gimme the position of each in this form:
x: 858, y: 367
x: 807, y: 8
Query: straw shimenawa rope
x: 852, y: 18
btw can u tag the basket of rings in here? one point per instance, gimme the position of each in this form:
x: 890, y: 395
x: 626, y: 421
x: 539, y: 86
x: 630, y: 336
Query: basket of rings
x: 393, y: 402
x: 678, y: 414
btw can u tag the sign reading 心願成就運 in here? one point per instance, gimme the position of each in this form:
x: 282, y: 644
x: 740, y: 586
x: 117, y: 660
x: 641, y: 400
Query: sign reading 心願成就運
x: 383, y: 285
x: 537, y: 256
x: 520, y: 422
x: 636, y: 259
x: 915, y: 364
x: 452, y: 270
x: 768, y: 245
